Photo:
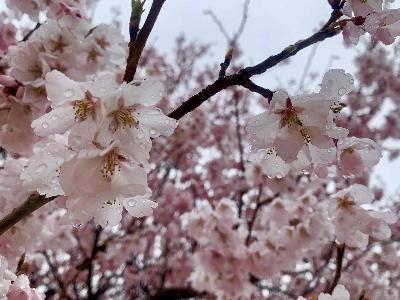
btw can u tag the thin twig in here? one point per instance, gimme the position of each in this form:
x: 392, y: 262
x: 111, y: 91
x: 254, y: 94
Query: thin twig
x: 339, y: 264
x: 242, y: 77
x: 28, y: 35
x: 136, y: 47
x: 91, y: 263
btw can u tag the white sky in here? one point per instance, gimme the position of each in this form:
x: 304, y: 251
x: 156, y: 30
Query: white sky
x: 272, y: 26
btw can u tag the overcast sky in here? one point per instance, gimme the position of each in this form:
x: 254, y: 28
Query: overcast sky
x: 272, y: 26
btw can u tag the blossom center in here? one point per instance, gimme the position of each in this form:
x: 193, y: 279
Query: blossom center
x: 110, y: 164
x: 346, y: 202
x: 84, y: 108
x: 123, y: 118
x: 289, y: 115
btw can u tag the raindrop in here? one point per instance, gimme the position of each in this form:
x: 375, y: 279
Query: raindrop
x: 77, y: 225
x: 54, y: 117
x: 41, y: 168
x: 305, y: 172
x: 140, y: 135
x: 351, y: 81
x: 142, y: 146
x: 366, y: 151
x: 342, y: 91
x: 69, y: 93
x: 78, y: 139
x: 330, y: 150
x: 132, y: 203
x: 262, y: 155
x: 45, y: 125
x: 153, y: 132
x: 279, y: 176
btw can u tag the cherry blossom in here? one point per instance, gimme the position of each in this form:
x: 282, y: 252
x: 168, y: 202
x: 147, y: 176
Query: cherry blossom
x: 353, y: 224
x: 339, y: 293
x: 295, y: 132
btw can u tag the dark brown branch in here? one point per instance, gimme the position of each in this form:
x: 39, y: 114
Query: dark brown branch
x: 259, y: 204
x: 176, y: 293
x: 339, y: 264
x: 251, y: 86
x: 54, y: 271
x: 33, y: 203
x: 136, y: 47
x: 28, y: 35
x: 242, y: 77
x: 95, y: 249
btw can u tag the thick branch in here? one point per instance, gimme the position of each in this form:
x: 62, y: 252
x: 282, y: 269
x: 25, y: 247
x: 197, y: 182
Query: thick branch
x: 33, y: 203
x: 242, y: 77
x: 136, y: 47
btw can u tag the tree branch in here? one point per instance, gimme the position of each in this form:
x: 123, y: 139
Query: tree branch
x: 136, y: 47
x: 34, y: 202
x: 242, y: 77
x: 339, y: 264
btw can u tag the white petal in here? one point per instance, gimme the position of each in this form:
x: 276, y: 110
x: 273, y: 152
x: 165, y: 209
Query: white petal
x: 139, y: 206
x: 155, y: 122
x: 145, y: 92
x: 361, y: 194
x: 336, y: 83
x: 59, y: 120
x: 61, y: 89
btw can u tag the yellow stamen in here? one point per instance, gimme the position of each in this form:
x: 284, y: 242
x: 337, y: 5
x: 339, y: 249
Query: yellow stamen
x: 111, y: 162
x: 123, y: 118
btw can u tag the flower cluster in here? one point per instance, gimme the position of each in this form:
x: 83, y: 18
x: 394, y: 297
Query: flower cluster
x: 299, y: 134
x: 13, y: 287
x: 370, y: 16
x: 95, y: 147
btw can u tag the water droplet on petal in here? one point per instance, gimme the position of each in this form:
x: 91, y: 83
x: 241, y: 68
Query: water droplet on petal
x: 132, y: 203
x: 140, y: 135
x: 45, y: 125
x: 262, y: 155
x: 54, y: 117
x: 279, y: 176
x: 367, y: 151
x: 77, y: 225
x: 153, y: 132
x: 142, y: 146
x: 41, y: 168
x: 68, y: 93
x: 342, y: 91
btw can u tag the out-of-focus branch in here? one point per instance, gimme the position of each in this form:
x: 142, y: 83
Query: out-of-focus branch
x: 259, y: 204
x: 241, y: 78
x: 28, y: 35
x: 95, y: 249
x: 339, y: 264
x: 136, y: 47
x: 34, y: 202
